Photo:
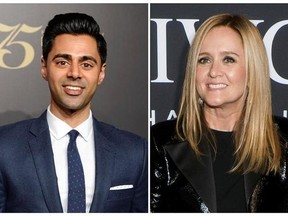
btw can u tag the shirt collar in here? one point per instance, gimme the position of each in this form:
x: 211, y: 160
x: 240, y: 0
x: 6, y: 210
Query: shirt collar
x: 59, y: 128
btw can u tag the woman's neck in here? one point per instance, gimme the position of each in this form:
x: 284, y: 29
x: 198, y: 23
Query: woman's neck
x: 221, y: 119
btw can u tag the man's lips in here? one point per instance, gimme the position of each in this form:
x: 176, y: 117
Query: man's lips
x: 73, y: 90
x: 76, y: 88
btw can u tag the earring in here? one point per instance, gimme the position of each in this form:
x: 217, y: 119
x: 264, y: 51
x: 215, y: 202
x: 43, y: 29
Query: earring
x: 200, y: 101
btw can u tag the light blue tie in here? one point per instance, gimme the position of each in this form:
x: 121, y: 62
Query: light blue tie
x: 76, y: 181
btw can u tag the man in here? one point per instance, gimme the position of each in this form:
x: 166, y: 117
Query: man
x: 42, y: 169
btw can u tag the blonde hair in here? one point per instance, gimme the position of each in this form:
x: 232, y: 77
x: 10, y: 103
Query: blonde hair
x: 255, y: 135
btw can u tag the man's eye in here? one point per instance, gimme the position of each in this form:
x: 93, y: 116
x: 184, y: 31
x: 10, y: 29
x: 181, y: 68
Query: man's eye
x: 87, y: 65
x: 62, y: 63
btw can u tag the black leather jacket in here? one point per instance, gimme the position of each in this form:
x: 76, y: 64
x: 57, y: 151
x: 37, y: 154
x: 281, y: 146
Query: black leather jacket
x: 180, y: 183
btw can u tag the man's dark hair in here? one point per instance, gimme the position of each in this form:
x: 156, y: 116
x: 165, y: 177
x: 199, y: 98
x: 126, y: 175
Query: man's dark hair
x: 76, y: 24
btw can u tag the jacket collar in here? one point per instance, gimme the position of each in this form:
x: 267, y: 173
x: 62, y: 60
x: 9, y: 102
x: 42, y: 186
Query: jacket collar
x: 198, y: 173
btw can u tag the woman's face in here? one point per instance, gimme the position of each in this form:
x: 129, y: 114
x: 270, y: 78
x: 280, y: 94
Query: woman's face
x: 221, y: 73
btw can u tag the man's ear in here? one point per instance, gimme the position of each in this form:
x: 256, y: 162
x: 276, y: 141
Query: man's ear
x: 102, y: 73
x: 43, y: 68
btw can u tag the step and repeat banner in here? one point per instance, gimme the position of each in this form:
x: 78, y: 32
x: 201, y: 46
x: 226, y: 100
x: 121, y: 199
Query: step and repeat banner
x: 172, y: 29
x: 121, y: 100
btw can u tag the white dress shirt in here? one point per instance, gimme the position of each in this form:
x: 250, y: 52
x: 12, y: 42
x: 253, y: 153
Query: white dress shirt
x: 85, y: 144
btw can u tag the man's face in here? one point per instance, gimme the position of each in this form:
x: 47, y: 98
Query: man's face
x: 73, y: 71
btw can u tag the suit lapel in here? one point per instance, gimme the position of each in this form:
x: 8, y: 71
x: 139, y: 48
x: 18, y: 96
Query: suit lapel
x: 40, y: 146
x: 198, y: 173
x: 105, y: 157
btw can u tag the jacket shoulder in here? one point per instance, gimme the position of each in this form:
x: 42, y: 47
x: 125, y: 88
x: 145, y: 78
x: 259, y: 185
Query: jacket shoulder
x: 282, y: 126
x: 164, y: 132
x: 15, y: 128
x: 117, y: 135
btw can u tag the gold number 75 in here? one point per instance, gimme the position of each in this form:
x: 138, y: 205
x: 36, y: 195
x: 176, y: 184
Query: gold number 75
x: 29, y: 52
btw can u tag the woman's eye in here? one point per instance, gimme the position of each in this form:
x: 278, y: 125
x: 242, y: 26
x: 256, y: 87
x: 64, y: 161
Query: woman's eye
x: 203, y: 60
x: 229, y: 60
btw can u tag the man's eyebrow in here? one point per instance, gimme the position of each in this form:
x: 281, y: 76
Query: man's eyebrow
x: 91, y: 58
x: 82, y: 58
x: 60, y: 55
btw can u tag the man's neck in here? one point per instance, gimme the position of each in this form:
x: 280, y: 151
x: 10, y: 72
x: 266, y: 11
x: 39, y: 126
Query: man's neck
x: 71, y: 117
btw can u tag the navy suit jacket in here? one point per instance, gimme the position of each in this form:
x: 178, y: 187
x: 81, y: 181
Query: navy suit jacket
x: 28, y: 181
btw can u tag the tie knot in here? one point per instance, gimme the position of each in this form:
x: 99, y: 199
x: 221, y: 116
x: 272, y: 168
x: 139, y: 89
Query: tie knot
x: 73, y: 135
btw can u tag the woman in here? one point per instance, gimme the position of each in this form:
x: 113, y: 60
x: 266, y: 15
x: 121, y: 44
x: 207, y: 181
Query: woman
x: 225, y: 152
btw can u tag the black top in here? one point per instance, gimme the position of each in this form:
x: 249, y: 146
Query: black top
x: 230, y: 192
